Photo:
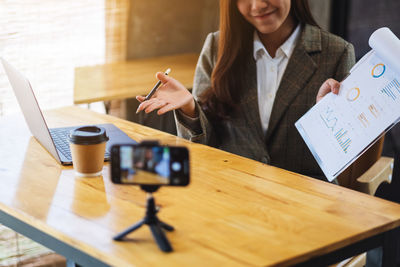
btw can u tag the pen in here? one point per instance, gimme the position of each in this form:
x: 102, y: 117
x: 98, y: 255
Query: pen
x: 156, y: 86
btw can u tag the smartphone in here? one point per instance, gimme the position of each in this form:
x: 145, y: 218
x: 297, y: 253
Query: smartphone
x: 144, y: 164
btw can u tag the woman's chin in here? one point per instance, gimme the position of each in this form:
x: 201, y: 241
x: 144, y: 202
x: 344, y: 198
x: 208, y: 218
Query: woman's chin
x: 267, y: 29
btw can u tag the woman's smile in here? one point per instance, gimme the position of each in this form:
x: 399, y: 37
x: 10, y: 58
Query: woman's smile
x: 265, y: 15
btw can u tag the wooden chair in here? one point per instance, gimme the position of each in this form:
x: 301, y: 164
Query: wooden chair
x: 365, y: 175
x: 369, y: 171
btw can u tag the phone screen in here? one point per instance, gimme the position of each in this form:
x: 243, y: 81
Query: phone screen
x: 150, y: 165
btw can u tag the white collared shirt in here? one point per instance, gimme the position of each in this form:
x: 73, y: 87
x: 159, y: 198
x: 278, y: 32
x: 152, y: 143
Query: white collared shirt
x: 269, y: 73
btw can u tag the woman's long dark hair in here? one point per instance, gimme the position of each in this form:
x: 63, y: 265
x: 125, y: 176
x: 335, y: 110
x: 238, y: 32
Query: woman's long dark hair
x: 234, y: 47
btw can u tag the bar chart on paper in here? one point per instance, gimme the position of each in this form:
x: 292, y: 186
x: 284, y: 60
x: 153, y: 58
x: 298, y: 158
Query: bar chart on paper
x: 392, y: 90
x: 343, y: 140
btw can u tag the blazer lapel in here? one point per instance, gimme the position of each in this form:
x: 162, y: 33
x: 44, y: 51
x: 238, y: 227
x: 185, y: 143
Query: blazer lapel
x: 298, y: 72
x: 250, y: 100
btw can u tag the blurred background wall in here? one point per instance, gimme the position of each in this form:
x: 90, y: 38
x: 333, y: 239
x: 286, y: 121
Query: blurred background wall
x: 356, y: 20
x: 159, y: 27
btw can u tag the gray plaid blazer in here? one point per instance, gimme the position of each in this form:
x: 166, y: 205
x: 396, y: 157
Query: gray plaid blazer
x: 317, y: 56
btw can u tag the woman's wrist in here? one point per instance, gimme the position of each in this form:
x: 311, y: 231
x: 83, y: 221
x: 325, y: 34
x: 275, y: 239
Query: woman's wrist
x: 189, y: 109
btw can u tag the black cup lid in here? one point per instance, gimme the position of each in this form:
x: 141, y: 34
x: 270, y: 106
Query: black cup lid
x: 88, y: 135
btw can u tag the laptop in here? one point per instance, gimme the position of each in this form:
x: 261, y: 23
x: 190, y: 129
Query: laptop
x: 55, y: 140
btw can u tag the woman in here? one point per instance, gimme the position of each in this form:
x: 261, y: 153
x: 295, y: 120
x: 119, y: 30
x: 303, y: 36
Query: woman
x: 254, y: 79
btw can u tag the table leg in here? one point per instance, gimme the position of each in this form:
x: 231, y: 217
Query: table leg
x: 390, y: 247
x: 107, y: 106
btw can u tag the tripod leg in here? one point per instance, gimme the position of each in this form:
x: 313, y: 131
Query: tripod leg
x: 127, y: 231
x: 160, y: 238
x: 166, y: 226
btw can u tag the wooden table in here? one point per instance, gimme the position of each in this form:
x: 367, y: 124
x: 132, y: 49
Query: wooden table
x: 128, y: 79
x: 235, y: 212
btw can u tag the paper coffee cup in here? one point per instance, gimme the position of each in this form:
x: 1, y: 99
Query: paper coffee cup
x: 87, y: 145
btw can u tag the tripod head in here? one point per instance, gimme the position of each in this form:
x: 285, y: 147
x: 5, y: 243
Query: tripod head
x: 149, y: 188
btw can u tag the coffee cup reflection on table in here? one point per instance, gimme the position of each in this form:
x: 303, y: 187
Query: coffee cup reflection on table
x: 87, y: 145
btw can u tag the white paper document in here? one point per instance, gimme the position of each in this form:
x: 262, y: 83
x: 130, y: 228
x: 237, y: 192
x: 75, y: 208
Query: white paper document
x: 339, y: 128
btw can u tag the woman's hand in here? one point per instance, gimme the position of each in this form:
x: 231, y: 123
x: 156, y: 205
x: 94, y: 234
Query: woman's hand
x: 169, y: 96
x: 329, y: 85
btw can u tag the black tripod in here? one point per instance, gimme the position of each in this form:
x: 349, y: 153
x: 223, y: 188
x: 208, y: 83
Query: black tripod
x: 157, y: 227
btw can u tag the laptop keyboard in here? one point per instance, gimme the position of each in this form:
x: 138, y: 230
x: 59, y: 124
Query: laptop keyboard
x: 61, y: 140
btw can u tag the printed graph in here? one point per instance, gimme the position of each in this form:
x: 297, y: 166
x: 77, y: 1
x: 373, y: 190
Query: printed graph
x: 392, y: 89
x: 378, y: 70
x: 342, y: 140
x: 373, y: 110
x: 329, y: 118
x: 353, y: 94
x: 363, y: 119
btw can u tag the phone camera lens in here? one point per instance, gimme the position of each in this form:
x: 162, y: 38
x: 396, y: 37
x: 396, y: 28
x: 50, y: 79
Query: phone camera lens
x: 176, y: 166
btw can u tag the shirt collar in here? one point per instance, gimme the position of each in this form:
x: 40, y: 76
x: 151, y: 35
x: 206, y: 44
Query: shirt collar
x: 258, y: 47
x: 287, y: 47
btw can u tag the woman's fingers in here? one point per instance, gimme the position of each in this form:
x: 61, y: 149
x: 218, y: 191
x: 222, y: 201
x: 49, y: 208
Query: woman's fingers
x: 334, y: 86
x: 329, y: 85
x: 145, y: 104
x: 150, y: 105
x: 140, y: 98
x: 155, y: 105
x: 166, y: 108
x: 162, y: 77
x: 171, y: 95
